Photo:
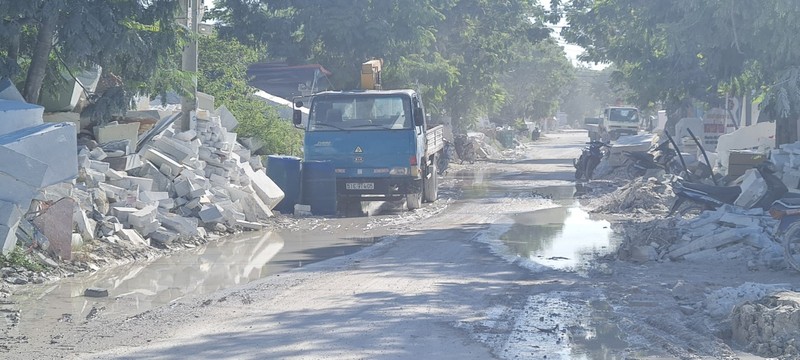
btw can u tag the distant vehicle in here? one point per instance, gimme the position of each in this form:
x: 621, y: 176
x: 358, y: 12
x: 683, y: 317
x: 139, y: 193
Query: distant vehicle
x: 615, y: 122
x: 378, y: 140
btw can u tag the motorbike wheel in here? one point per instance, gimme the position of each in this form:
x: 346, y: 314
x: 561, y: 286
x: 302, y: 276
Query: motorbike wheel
x: 791, y: 246
x: 579, y: 168
x: 591, y: 164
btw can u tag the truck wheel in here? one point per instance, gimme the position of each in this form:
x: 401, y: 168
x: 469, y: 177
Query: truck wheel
x: 414, y: 201
x: 431, y: 185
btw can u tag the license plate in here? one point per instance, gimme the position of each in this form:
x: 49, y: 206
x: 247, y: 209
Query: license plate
x: 360, y: 186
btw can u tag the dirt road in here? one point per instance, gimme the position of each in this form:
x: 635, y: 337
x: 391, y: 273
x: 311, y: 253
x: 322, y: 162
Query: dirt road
x: 507, y: 265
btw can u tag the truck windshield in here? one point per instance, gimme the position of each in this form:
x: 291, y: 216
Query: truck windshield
x: 360, y: 112
x: 624, y: 115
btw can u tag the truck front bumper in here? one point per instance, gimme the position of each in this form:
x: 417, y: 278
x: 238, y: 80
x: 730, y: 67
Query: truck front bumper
x: 378, y: 189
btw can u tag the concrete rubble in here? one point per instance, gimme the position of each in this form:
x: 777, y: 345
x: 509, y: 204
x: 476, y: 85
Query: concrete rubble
x: 59, y: 193
x: 769, y: 326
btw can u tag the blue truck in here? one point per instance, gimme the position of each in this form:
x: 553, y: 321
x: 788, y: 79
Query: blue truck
x: 379, y: 142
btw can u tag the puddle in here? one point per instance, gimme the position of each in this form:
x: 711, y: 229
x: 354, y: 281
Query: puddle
x: 563, y: 325
x: 480, y: 184
x: 563, y: 238
x: 141, y: 286
x: 597, y: 339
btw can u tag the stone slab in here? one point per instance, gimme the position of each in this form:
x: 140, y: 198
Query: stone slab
x: 55, y: 145
x: 226, y: 118
x: 66, y: 116
x: 710, y: 242
x: 164, y: 163
x: 15, y: 115
x: 10, y: 92
x: 15, y: 191
x: 264, y: 187
x: 124, y: 163
x: 21, y: 167
x: 55, y: 223
x: 10, y: 216
x: 115, y: 131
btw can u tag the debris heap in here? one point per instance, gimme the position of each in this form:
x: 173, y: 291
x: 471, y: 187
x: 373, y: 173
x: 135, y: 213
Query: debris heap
x: 125, y: 193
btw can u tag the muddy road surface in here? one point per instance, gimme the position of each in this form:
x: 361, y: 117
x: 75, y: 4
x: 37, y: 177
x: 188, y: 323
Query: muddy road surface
x: 506, y: 265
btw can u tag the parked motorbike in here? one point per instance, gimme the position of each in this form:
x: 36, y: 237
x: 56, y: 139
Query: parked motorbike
x: 589, y: 159
x: 692, y: 197
x: 661, y: 157
x: 535, y: 134
x: 465, y: 149
x: 787, y: 211
x: 443, y: 161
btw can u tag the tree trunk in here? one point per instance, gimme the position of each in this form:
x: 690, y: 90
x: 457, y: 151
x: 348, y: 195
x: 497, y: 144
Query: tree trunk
x: 13, y: 47
x: 40, y: 57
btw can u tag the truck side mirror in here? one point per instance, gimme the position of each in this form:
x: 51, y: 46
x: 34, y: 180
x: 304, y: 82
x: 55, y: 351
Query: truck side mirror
x: 298, y: 104
x: 297, y: 117
x: 419, y: 117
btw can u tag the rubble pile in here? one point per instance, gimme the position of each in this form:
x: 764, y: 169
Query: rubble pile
x: 769, y: 327
x: 730, y: 232
x: 122, y: 193
x: 643, y: 195
x: 644, y: 240
x: 186, y: 184
x: 33, y: 155
x: 726, y: 233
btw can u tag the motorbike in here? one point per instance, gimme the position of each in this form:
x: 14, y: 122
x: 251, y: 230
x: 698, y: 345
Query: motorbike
x: 442, y: 162
x: 787, y: 211
x: 661, y: 157
x: 693, y: 197
x: 535, y: 134
x: 589, y: 159
x: 465, y: 149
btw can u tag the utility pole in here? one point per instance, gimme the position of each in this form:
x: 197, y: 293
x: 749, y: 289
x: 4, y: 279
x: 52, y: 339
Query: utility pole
x: 189, y: 60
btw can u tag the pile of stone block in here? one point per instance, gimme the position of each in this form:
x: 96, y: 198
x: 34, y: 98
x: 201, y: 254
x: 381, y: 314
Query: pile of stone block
x: 185, y: 184
x: 58, y: 192
x: 33, y: 155
x: 728, y: 232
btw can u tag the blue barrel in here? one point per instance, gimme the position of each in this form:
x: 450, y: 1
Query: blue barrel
x: 285, y: 172
x: 319, y: 187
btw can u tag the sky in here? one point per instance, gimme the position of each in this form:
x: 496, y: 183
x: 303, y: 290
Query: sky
x: 572, y: 51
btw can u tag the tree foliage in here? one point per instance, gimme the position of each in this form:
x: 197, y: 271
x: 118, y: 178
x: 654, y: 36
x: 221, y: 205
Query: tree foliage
x: 132, y: 40
x: 453, y: 51
x: 537, y: 83
x: 670, y: 51
x: 222, y: 67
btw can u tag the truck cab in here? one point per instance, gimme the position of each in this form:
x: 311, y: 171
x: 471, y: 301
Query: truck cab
x: 378, y: 142
x: 618, y: 121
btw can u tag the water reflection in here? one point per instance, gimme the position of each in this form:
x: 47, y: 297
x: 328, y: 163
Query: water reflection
x: 560, y: 237
x: 601, y: 339
x: 143, y: 285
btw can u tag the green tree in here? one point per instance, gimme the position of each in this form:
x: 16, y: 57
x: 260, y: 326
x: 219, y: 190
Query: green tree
x: 132, y: 39
x: 453, y: 51
x: 671, y: 51
x: 536, y: 83
x: 481, y: 38
x: 222, y: 67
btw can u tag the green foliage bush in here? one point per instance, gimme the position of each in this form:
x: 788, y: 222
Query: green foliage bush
x: 223, y: 73
x: 18, y: 257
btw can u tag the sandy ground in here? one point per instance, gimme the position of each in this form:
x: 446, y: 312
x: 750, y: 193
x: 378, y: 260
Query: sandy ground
x: 442, y: 287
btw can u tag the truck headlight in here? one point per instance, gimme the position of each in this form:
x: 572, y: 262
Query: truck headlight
x: 398, y: 171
